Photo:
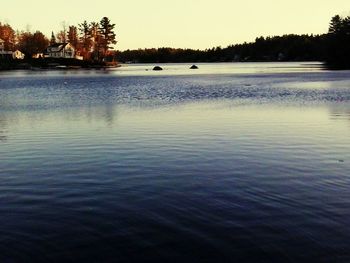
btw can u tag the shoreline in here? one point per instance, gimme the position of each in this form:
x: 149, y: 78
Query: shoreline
x: 33, y: 65
x: 52, y: 64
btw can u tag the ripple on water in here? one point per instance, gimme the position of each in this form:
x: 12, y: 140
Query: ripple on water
x: 245, y: 167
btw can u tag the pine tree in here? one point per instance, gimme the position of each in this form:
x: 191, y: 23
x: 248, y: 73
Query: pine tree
x: 53, y: 39
x: 107, y: 33
x: 85, y: 40
x: 335, y: 26
x: 96, y: 39
x: 338, y: 51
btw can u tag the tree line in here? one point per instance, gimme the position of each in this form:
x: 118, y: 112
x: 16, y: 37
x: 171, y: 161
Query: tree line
x: 332, y: 48
x: 92, y: 40
x: 277, y: 48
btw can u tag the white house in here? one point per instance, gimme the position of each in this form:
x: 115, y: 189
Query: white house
x: 9, y: 54
x: 17, y: 55
x: 3, y: 52
x: 2, y: 45
x: 61, y: 50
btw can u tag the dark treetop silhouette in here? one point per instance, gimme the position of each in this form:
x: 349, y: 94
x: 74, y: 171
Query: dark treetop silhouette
x: 338, y: 52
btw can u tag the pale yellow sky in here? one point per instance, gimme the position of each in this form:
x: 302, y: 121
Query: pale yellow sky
x: 179, y: 23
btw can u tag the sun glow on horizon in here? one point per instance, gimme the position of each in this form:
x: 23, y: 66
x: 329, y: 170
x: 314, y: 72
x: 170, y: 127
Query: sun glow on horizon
x: 183, y: 23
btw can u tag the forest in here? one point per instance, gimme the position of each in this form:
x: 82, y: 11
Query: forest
x: 333, y: 48
x: 95, y: 41
x: 277, y: 48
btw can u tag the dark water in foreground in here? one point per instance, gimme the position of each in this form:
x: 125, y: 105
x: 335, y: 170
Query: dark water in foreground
x: 231, y: 163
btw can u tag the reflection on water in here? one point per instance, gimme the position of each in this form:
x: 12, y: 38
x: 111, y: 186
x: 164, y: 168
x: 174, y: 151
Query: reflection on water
x: 181, y: 69
x: 198, y: 168
x: 3, y: 129
x: 340, y: 111
x: 2, y: 137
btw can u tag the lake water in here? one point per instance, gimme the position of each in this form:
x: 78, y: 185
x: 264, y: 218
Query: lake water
x: 232, y: 162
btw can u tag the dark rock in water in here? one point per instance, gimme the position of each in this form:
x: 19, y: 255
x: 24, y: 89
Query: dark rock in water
x: 194, y: 67
x: 157, y: 68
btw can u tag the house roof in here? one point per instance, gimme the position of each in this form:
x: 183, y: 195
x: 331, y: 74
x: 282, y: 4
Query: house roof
x: 59, y: 45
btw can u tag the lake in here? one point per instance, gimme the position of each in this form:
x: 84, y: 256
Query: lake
x: 233, y: 162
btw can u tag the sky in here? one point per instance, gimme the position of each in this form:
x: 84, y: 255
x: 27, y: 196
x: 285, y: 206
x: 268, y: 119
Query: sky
x: 197, y: 24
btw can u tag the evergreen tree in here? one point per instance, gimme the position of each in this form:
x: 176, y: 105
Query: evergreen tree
x: 107, y: 32
x: 96, y: 39
x: 338, y: 51
x: 335, y: 25
x: 53, y: 39
x: 85, y: 40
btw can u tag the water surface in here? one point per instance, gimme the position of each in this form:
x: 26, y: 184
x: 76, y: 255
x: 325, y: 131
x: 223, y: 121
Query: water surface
x: 231, y: 163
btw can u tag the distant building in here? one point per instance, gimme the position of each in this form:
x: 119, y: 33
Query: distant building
x: 17, y: 55
x: 79, y: 57
x: 61, y: 50
x: 3, y: 52
x: 2, y: 45
x: 38, y: 55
